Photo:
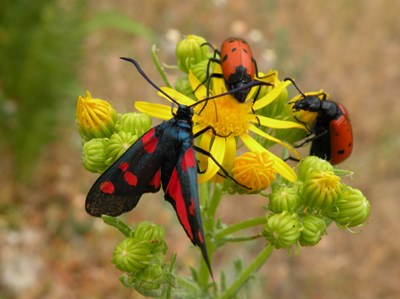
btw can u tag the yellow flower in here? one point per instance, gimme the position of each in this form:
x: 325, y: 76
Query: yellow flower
x: 254, y: 170
x: 232, y: 122
x: 96, y: 118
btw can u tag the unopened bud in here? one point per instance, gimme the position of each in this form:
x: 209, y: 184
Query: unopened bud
x: 189, y: 51
x: 284, y: 198
x: 310, y: 164
x: 351, y: 209
x: 118, y: 144
x: 314, y: 228
x: 131, y: 255
x: 321, y: 189
x: 94, y: 155
x: 282, y: 230
x: 134, y: 123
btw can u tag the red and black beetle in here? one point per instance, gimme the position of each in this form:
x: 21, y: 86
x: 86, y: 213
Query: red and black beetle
x: 332, y: 137
x: 239, y: 68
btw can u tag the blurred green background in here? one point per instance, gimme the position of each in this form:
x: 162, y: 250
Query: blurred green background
x: 51, y: 51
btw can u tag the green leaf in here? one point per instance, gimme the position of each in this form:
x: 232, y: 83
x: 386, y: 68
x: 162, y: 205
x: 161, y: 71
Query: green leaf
x: 119, y: 224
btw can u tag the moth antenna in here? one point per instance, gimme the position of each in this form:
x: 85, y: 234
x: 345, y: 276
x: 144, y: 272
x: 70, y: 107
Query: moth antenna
x: 249, y: 85
x: 141, y: 72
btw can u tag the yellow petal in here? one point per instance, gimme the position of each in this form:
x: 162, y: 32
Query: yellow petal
x: 176, y: 95
x: 251, y: 143
x: 230, y: 153
x: 157, y: 110
x: 205, y: 143
x: 276, y: 123
x: 217, y: 68
x: 250, y: 95
x: 219, y: 86
x: 218, y: 152
x: 281, y: 167
x: 270, y: 77
x: 273, y: 139
x: 271, y: 96
x: 200, y: 90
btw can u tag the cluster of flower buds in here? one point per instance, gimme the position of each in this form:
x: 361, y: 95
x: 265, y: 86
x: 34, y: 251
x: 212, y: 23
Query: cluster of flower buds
x: 106, y: 135
x: 142, y: 257
x: 300, y: 212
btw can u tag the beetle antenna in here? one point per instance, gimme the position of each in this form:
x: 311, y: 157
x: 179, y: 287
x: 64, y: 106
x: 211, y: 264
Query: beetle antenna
x: 295, y: 85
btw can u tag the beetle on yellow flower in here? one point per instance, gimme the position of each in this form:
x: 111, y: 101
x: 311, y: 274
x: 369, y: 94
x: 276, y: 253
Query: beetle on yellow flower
x: 232, y: 121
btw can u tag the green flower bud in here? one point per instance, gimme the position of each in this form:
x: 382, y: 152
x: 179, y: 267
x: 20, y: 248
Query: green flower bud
x: 183, y: 86
x: 132, y: 255
x: 118, y: 144
x: 147, y: 231
x: 311, y: 164
x: 94, y: 155
x: 134, y: 123
x: 282, y: 230
x: 351, y: 209
x: 284, y: 198
x: 152, y: 273
x: 154, y: 234
x: 96, y: 118
x: 321, y: 189
x: 314, y: 228
x: 199, y: 70
x: 190, y: 51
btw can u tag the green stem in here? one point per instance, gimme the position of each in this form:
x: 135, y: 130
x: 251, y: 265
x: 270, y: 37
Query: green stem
x: 158, y: 65
x: 241, y: 239
x: 239, y: 226
x: 189, y: 287
x: 246, y: 274
x: 214, y: 202
x: 211, y: 203
x: 119, y: 224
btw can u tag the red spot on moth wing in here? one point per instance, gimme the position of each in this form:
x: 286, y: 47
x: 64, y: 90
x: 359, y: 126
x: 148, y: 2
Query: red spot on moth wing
x: 156, y: 181
x: 200, y: 237
x: 174, y: 190
x: 149, y: 141
x: 123, y: 166
x: 191, y: 207
x: 188, y: 160
x: 130, y: 178
x: 107, y: 187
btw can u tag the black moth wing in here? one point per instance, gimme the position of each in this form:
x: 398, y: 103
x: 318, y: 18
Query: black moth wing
x: 137, y: 171
x: 179, y: 181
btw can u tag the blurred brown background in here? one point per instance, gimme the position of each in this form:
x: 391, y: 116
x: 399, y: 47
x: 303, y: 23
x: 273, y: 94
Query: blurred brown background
x: 54, y: 50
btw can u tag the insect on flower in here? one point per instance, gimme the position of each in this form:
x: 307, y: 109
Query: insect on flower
x: 238, y: 68
x: 332, y: 138
x: 164, y: 155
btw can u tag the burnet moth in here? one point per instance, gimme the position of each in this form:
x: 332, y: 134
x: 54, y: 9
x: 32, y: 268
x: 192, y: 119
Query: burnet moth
x: 163, y: 156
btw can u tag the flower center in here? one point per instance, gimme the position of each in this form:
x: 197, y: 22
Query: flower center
x: 226, y: 115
